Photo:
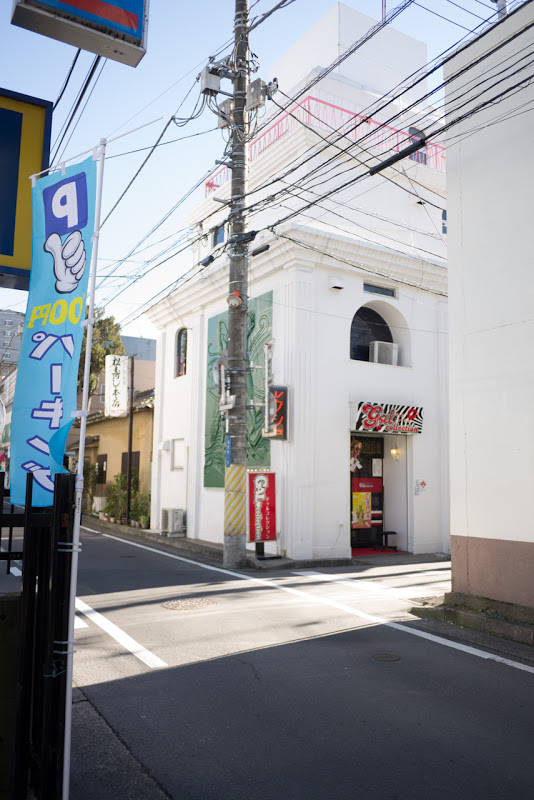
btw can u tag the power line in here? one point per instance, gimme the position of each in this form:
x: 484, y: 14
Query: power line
x: 280, y: 5
x: 76, y: 104
x: 83, y: 109
x: 66, y: 81
x: 314, y: 172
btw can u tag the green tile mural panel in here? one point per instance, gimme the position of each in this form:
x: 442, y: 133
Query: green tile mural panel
x: 259, y: 331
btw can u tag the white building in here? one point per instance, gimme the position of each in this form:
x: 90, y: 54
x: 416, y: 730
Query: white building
x: 365, y: 264
x: 490, y: 174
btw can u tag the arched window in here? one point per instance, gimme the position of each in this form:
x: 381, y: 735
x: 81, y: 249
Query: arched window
x: 181, y: 352
x: 367, y: 326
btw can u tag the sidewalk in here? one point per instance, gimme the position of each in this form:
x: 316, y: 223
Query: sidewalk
x: 200, y: 550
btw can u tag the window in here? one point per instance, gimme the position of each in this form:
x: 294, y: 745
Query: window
x: 218, y: 235
x: 101, y: 468
x: 8, y: 322
x: 135, y: 467
x: 181, y: 352
x: 369, y: 287
x: 415, y: 136
x: 444, y: 222
x: 367, y: 326
x: 7, y: 355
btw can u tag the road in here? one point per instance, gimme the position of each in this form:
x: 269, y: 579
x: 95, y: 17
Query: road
x: 307, y: 684
x: 196, y: 683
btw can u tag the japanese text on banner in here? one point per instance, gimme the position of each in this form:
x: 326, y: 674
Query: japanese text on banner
x: 63, y: 218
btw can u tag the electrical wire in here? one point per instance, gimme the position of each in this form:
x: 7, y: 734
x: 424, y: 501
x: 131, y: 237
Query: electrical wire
x: 76, y: 105
x: 93, y: 87
x: 280, y: 5
x: 67, y: 79
x: 493, y: 100
x: 419, y: 76
x: 313, y: 172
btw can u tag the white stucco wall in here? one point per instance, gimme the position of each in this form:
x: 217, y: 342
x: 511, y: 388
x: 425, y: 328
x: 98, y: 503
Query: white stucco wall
x: 374, y: 66
x: 375, y: 231
x: 311, y: 326
x: 489, y: 179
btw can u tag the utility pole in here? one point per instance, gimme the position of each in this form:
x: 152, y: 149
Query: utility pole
x: 235, y: 507
x: 130, y: 437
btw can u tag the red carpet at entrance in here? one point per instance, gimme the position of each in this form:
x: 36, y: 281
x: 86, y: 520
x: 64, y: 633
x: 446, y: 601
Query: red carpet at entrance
x: 369, y: 551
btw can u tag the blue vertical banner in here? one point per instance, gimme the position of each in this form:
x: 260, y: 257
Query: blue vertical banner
x: 63, y: 220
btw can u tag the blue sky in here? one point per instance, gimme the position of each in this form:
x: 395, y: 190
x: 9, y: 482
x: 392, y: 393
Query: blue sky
x: 181, y: 38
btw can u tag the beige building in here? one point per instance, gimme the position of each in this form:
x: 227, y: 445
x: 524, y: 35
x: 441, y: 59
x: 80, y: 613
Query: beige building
x: 106, y: 444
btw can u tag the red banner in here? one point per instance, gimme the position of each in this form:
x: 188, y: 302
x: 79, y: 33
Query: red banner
x: 262, y: 506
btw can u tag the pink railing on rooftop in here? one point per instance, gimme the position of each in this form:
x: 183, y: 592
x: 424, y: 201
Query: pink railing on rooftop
x: 372, y: 134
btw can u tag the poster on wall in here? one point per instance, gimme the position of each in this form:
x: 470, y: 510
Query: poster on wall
x: 262, y: 506
x: 361, y: 510
x: 259, y: 330
x: 388, y: 418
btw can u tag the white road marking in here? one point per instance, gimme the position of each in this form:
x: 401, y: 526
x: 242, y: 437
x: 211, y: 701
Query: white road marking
x: 13, y: 570
x: 79, y: 623
x: 403, y: 593
x: 120, y: 636
x: 321, y: 601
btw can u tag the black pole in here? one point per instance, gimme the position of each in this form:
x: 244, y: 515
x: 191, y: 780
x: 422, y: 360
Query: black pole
x: 130, y: 436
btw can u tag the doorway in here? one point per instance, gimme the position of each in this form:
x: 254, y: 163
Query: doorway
x: 367, y: 490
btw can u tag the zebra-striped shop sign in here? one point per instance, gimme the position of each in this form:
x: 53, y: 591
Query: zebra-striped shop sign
x: 389, y: 418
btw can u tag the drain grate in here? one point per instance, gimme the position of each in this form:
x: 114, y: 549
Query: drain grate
x: 188, y: 603
x: 386, y: 657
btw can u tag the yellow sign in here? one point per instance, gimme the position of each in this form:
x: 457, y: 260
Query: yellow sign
x: 25, y: 124
x: 361, y: 510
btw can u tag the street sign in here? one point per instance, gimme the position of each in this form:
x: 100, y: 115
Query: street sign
x: 25, y: 124
x: 116, y: 29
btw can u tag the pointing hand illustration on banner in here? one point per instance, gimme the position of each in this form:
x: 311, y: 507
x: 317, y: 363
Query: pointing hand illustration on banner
x: 69, y: 260
x: 63, y: 215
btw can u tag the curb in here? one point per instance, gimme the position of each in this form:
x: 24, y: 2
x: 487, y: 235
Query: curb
x: 504, y: 620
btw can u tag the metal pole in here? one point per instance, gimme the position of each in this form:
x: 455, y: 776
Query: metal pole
x: 79, y: 477
x: 234, y: 549
x: 130, y: 436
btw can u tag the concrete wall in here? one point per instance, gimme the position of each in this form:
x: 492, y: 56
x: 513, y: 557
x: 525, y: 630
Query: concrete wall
x: 490, y: 173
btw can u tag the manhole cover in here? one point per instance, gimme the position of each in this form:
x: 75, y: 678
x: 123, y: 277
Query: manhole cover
x: 188, y: 603
x: 386, y: 657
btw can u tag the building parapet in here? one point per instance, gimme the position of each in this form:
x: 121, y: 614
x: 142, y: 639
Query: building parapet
x: 322, y: 114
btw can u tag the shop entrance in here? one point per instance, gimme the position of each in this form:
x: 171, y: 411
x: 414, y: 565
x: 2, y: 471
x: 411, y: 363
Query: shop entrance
x: 367, y: 490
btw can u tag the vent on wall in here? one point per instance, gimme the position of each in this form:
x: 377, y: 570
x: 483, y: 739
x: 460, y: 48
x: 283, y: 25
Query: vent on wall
x: 173, y: 521
x: 384, y: 353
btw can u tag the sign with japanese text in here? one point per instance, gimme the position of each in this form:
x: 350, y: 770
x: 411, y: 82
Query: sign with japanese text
x: 262, y: 506
x: 25, y: 124
x: 112, y: 28
x: 116, y: 392
x: 278, y: 412
x: 63, y: 213
x: 388, y: 418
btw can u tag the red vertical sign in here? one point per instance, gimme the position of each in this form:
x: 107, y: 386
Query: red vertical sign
x: 262, y: 507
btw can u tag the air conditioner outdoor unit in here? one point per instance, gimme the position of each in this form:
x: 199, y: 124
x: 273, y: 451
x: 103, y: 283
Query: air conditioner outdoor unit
x: 173, y: 521
x: 384, y: 353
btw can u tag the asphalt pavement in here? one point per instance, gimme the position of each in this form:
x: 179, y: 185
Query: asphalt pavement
x: 199, y: 683
x: 296, y: 684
